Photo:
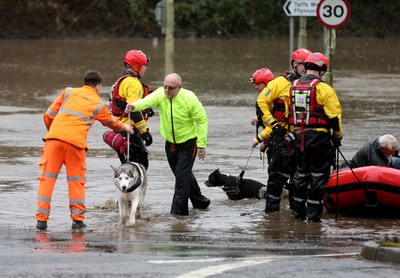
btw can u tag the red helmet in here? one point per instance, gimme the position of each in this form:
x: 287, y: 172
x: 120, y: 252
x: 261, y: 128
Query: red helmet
x: 136, y: 59
x: 318, y: 59
x: 262, y: 75
x: 300, y: 55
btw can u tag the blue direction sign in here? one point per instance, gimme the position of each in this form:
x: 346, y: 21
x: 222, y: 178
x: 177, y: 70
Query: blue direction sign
x: 301, y: 7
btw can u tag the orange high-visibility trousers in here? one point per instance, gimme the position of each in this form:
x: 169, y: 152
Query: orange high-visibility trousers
x: 55, y: 154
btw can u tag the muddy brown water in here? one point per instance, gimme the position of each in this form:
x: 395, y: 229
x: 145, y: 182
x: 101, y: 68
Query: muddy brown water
x: 32, y: 73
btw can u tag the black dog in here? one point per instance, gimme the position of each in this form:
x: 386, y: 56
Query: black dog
x: 235, y: 187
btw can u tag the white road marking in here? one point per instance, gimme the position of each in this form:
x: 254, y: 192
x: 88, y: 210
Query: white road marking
x: 236, y: 263
x: 218, y: 269
x: 187, y: 261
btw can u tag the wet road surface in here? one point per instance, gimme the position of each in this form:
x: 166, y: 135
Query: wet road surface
x: 230, y: 238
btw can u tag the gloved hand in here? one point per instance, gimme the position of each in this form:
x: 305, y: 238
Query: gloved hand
x: 336, y: 142
x: 264, y: 146
x: 148, y: 139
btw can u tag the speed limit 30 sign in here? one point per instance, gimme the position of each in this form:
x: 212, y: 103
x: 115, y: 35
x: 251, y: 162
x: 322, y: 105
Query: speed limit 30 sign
x: 333, y: 13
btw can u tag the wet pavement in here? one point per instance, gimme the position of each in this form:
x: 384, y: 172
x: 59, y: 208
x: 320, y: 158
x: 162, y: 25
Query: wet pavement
x: 230, y: 238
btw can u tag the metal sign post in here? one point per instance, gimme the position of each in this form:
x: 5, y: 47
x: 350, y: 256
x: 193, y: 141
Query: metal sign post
x: 299, y: 8
x: 332, y: 14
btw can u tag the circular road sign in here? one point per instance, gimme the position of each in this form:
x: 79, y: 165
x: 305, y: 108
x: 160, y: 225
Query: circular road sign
x: 333, y: 13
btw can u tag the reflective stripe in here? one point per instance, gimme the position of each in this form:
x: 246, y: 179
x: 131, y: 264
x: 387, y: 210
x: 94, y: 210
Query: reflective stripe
x: 314, y: 202
x: 76, y: 113
x: 77, y: 211
x: 303, y: 175
x: 267, y: 92
x: 140, y: 127
x: 44, y: 199
x: 51, y: 112
x: 67, y: 93
x: 262, y: 137
x: 73, y: 178
x: 51, y: 175
x: 270, y: 120
x: 299, y: 200
x: 97, y: 110
x: 284, y: 174
x: 316, y: 174
x: 43, y: 211
x: 77, y: 202
x: 110, y: 122
x: 274, y: 197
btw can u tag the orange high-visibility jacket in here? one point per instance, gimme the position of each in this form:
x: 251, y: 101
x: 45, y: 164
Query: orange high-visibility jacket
x: 73, y: 112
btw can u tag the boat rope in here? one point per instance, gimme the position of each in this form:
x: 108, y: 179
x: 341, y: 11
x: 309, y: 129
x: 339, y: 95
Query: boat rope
x: 369, y: 199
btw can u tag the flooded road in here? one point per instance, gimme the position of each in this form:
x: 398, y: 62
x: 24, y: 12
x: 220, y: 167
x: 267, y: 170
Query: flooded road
x: 234, y: 238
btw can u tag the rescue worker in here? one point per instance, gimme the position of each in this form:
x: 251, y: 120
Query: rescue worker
x: 314, y: 110
x: 271, y: 107
x: 184, y: 125
x: 260, y: 79
x: 128, y: 88
x: 68, y: 120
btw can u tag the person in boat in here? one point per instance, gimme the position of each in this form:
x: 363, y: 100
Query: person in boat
x: 315, y: 110
x: 271, y: 107
x: 380, y: 151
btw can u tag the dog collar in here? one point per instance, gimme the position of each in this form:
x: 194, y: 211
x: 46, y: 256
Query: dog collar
x: 139, y: 181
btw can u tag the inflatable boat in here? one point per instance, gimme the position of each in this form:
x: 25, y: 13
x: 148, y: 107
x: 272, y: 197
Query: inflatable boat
x: 371, y: 186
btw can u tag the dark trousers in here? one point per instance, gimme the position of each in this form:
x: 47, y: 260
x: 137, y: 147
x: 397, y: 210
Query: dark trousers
x: 281, y: 169
x: 181, y: 159
x: 137, y: 153
x: 313, y: 170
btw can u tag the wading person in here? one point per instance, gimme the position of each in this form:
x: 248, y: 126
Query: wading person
x: 128, y: 88
x: 68, y: 120
x: 315, y: 110
x: 184, y: 125
x: 260, y: 79
x: 271, y: 107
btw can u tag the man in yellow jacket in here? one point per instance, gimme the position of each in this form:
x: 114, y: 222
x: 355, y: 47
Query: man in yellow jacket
x: 68, y: 120
x: 315, y: 111
x: 184, y: 125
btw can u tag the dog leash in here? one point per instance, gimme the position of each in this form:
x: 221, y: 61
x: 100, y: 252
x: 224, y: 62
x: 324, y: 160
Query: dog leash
x: 128, y: 137
x: 245, y: 166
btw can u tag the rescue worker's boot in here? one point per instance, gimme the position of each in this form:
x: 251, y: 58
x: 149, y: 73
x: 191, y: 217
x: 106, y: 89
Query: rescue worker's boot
x: 77, y: 224
x: 314, y: 210
x: 299, y: 209
x: 272, y: 203
x: 290, y: 188
x: 41, y: 225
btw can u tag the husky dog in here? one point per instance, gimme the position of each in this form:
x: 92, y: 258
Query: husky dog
x: 131, y: 181
x: 235, y: 187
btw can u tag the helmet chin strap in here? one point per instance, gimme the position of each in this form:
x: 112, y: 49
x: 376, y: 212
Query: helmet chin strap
x: 132, y: 72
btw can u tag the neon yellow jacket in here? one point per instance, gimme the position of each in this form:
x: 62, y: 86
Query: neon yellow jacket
x: 181, y: 118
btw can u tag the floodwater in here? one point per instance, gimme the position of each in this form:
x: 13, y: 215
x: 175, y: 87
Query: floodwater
x: 366, y: 76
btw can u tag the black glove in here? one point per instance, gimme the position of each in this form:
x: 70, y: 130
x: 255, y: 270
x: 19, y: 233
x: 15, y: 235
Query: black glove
x: 148, y: 139
x: 336, y: 142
